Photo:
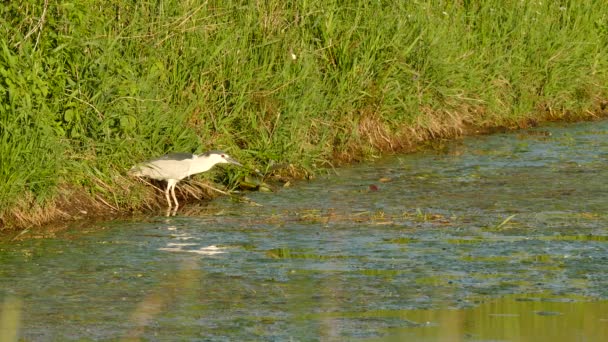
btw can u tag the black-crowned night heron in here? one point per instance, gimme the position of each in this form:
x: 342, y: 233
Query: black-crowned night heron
x: 174, y: 167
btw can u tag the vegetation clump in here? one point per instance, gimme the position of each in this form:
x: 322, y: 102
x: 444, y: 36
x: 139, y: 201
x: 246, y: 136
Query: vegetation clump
x: 88, y: 88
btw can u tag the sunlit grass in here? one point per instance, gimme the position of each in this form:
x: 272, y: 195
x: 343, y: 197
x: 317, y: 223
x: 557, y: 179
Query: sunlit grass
x: 89, y: 88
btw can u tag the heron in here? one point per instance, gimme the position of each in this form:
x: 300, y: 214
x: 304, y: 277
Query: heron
x: 174, y: 167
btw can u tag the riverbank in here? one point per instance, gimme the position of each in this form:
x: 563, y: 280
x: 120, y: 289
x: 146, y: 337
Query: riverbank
x: 88, y: 90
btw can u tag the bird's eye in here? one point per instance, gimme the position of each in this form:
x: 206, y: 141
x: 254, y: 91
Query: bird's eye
x: 223, y: 156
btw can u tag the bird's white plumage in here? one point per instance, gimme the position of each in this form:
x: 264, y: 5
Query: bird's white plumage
x: 174, y: 167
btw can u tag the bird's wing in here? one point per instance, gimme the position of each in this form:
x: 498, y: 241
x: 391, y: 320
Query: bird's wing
x: 174, y: 156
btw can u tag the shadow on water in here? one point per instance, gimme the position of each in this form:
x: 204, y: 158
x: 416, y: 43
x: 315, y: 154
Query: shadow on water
x: 490, y: 238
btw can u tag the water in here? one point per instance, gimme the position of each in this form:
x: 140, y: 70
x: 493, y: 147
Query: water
x: 488, y: 238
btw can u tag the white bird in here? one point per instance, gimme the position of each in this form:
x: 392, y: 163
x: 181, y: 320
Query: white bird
x: 174, y: 167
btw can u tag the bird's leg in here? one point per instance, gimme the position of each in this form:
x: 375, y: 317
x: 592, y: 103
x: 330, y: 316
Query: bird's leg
x: 171, y: 187
x: 167, y: 193
x: 174, y: 198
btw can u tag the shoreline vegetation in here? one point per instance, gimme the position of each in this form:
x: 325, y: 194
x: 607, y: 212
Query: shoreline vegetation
x: 89, y: 88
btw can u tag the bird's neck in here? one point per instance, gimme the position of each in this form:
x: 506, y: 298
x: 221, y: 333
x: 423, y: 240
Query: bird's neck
x: 200, y: 164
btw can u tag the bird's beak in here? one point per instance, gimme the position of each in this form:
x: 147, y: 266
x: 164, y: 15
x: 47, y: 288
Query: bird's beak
x: 233, y: 161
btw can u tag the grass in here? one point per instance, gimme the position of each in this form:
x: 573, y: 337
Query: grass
x: 89, y: 88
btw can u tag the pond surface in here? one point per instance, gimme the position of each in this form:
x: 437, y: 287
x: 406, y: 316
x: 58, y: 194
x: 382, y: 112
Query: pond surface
x: 492, y: 238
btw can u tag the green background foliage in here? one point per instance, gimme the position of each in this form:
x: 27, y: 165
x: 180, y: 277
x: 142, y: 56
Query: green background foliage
x: 88, y: 88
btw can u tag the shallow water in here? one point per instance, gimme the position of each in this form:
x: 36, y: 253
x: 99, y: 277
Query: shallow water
x: 489, y: 238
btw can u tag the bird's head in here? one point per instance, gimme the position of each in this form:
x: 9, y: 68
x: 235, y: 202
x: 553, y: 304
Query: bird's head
x: 219, y: 157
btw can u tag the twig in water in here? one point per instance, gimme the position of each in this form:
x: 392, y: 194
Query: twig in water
x: 239, y: 198
x: 505, y: 221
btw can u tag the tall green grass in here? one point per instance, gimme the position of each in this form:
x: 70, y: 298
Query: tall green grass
x: 88, y: 88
